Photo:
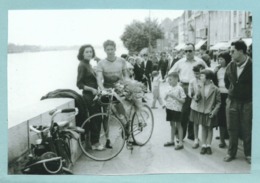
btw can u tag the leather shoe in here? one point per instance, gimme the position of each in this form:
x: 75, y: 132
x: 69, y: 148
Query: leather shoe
x: 167, y: 144
x: 195, y: 145
x: 228, y: 158
x: 108, y: 144
x: 248, y: 159
x: 222, y: 145
x: 209, y: 151
x: 203, y: 150
x: 179, y: 147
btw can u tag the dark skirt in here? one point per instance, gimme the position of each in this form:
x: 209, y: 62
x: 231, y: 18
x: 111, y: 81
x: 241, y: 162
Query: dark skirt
x: 222, y: 119
x: 172, y: 115
x: 202, y: 119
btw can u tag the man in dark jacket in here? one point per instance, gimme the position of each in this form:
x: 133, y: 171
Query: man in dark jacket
x: 139, y: 71
x: 238, y: 80
x: 147, y: 66
x: 163, y: 65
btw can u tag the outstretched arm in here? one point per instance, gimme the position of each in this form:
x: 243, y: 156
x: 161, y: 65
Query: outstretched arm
x: 100, y: 80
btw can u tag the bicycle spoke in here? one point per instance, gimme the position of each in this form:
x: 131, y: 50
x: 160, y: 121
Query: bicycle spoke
x: 142, y: 125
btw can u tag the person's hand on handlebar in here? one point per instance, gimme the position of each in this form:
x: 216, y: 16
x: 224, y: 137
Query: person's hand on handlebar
x: 94, y: 91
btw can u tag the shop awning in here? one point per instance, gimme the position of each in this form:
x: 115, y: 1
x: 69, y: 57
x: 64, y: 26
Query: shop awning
x: 248, y: 41
x: 199, y: 44
x: 220, y: 46
x: 180, y: 46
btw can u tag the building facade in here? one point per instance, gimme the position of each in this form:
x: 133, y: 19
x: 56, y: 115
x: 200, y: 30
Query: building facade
x: 209, y: 27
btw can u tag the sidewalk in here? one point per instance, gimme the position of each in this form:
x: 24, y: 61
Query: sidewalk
x: 155, y: 158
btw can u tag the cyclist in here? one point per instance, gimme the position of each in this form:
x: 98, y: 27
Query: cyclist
x: 110, y: 71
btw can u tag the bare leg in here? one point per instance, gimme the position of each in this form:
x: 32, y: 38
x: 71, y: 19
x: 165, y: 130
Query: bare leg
x: 204, y: 135
x: 172, y: 130
x: 210, y: 135
x: 180, y: 132
x: 196, y: 132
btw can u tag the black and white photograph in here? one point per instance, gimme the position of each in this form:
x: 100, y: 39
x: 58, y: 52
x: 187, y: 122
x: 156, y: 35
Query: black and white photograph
x: 129, y: 91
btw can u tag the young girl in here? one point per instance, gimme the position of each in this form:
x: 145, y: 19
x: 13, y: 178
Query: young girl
x: 224, y: 58
x: 208, y: 104
x: 174, y: 98
x: 157, y: 79
x: 193, y: 94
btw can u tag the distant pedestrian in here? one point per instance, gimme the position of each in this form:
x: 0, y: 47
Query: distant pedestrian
x: 208, y: 104
x: 174, y: 99
x: 139, y: 71
x: 157, y: 79
x: 204, y: 55
x: 163, y: 64
x: 147, y: 66
x: 238, y: 80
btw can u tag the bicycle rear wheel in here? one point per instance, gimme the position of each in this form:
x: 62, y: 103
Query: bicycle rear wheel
x: 142, y: 125
x: 112, y: 129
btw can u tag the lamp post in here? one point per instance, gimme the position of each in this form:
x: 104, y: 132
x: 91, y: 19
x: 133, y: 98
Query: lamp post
x: 208, y: 31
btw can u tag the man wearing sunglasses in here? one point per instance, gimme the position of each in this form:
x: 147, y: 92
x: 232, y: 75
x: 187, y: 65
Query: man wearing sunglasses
x: 238, y: 80
x: 184, y: 67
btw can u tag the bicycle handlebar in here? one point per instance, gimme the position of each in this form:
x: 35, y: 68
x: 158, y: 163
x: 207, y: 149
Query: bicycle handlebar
x: 70, y: 110
x: 34, y: 128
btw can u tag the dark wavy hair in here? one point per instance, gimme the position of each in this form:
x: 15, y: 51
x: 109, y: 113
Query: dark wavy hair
x: 198, y: 67
x: 82, y: 49
x: 240, y: 45
x: 226, y: 56
x: 208, y: 73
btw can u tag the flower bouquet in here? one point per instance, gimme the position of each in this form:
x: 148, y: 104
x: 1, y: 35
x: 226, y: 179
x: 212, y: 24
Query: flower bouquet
x: 133, y: 91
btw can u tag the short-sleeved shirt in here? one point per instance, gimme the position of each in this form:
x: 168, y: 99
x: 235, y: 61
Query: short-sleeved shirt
x: 172, y: 103
x: 185, y: 68
x: 112, y: 71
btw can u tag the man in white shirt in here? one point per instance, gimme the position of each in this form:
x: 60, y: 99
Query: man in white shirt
x: 184, y: 67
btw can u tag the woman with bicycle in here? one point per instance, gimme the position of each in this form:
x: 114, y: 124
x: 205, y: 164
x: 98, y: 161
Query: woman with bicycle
x: 86, y: 81
x: 121, y: 120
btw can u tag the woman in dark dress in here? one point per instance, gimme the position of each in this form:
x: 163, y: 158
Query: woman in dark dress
x: 87, y: 82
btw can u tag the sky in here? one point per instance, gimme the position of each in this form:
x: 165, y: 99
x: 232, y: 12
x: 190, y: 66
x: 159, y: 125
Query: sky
x: 75, y: 27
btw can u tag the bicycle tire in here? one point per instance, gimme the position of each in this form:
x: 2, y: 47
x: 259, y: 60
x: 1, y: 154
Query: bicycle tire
x: 142, y: 125
x: 116, y: 135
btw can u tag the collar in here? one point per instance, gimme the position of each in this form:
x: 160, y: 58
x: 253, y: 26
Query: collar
x: 193, y: 60
x: 111, y: 60
x: 244, y: 64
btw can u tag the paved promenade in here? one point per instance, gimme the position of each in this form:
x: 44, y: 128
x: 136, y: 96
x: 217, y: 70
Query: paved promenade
x: 155, y: 158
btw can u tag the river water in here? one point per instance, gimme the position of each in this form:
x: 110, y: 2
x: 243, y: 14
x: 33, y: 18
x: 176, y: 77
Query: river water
x: 32, y: 75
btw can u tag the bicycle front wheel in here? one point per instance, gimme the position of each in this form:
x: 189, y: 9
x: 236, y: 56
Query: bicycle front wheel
x: 142, y: 125
x: 111, y: 128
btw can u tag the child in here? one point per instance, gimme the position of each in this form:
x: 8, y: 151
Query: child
x: 157, y: 79
x: 208, y: 103
x: 174, y: 98
x: 193, y: 94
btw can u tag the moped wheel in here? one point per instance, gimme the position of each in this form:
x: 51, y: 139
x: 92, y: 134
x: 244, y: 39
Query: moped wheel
x: 111, y: 128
